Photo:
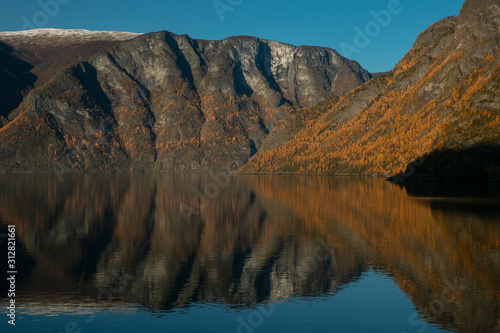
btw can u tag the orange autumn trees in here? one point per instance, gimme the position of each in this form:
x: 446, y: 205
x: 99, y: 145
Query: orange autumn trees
x: 424, y: 105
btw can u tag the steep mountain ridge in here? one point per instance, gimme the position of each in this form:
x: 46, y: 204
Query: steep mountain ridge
x: 166, y: 102
x: 442, y: 96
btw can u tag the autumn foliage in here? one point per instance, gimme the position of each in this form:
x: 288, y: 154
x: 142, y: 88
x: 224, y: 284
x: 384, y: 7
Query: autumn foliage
x: 397, y: 126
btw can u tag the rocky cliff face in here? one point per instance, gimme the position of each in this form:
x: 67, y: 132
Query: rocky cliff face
x: 163, y: 102
x: 437, y: 112
x: 158, y: 101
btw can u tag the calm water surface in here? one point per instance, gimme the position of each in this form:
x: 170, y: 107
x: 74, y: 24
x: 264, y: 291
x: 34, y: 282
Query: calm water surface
x: 202, y: 253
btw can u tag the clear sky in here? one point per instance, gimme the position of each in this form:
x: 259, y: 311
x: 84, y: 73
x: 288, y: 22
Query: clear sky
x: 339, y: 24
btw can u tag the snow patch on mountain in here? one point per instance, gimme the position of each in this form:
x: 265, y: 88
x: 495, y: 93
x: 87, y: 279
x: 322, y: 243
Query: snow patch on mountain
x: 66, y: 34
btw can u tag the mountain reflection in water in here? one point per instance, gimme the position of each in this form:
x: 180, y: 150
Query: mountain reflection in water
x: 171, y: 241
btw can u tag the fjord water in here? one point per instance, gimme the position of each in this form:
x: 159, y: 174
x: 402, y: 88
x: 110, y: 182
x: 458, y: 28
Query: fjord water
x: 205, y: 253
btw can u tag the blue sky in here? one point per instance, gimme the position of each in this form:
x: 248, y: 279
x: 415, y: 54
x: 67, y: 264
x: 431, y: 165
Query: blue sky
x: 338, y: 24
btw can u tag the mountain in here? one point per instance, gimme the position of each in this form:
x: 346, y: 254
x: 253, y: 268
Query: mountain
x: 30, y: 58
x: 82, y: 100
x: 435, y: 116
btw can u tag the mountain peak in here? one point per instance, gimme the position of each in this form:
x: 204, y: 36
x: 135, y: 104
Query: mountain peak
x: 481, y: 18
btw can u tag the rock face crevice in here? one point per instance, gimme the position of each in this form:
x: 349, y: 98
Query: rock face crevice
x: 159, y: 101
